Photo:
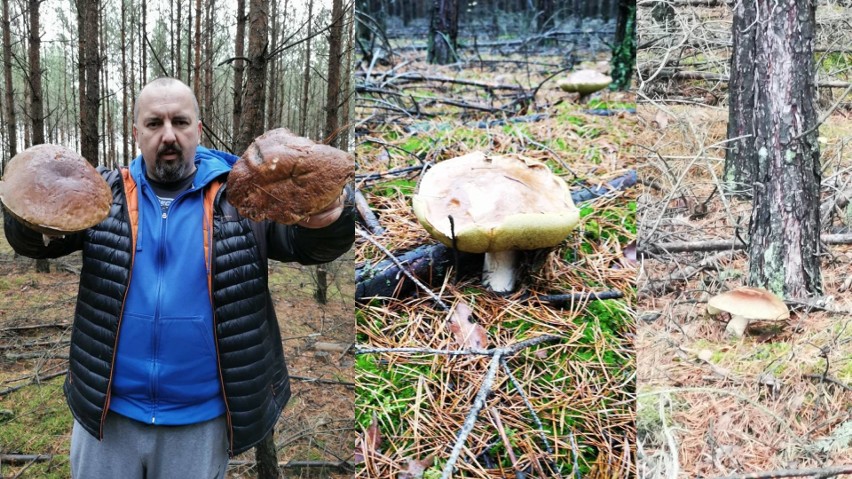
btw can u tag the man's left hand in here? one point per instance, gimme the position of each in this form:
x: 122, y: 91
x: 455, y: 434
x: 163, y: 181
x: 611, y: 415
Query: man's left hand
x: 325, y: 217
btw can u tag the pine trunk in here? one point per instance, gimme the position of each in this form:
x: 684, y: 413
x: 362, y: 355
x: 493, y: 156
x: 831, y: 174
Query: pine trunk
x: 239, y: 67
x: 306, y: 78
x: 784, y: 228
x: 335, y: 57
x: 11, y: 121
x: 740, y: 164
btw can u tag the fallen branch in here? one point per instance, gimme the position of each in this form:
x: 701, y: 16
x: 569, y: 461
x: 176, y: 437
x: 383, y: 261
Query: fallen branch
x: 34, y: 326
x: 721, y: 245
x: 367, y: 215
x: 470, y: 420
x: 25, y: 458
x: 35, y: 379
x: 572, y: 298
x: 402, y: 269
x: 829, y: 379
x: 398, y: 171
x: 621, y: 183
x: 414, y: 77
x: 324, y: 381
x: 536, y: 419
x: 428, y: 263
x: 660, y: 286
x: 719, y: 77
x: 816, y: 472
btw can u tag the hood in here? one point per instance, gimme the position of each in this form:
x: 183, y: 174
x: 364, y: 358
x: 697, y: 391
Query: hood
x: 210, y: 164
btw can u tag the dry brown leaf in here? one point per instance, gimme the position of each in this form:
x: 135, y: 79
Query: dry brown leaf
x: 368, y: 442
x: 416, y: 468
x: 468, y: 335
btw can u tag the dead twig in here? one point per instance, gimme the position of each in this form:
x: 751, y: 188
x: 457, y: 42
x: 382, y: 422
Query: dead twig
x: 824, y: 472
x: 366, y: 214
x: 34, y: 380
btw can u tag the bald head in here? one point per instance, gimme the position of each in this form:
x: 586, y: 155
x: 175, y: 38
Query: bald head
x: 164, y: 82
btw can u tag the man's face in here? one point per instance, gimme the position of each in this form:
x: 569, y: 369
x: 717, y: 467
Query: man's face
x: 167, y: 130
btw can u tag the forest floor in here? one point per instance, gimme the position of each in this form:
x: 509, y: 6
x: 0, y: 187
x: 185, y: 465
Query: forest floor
x: 35, y: 314
x: 710, y: 404
x: 411, y: 407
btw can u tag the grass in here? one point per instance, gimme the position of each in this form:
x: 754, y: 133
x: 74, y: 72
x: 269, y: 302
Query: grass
x: 40, y: 424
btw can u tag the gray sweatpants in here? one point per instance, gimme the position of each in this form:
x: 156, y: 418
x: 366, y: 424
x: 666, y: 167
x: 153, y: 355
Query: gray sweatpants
x: 134, y: 450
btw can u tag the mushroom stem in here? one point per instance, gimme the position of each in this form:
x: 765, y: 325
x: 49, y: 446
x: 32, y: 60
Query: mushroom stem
x: 737, y: 325
x: 498, y: 272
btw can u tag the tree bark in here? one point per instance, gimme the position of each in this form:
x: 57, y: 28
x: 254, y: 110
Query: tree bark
x: 239, y: 67
x: 90, y: 57
x: 196, y: 71
x: 335, y: 55
x: 443, y: 32
x: 125, y: 131
x: 740, y: 164
x: 784, y: 228
x: 251, y: 122
x: 306, y: 77
x: 11, y: 121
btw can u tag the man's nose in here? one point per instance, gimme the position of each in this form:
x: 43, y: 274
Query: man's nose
x: 168, y: 133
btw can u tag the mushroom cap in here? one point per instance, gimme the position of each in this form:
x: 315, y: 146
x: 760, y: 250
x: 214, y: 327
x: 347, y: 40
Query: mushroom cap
x: 751, y: 303
x: 54, y: 190
x: 584, y: 82
x: 498, y: 203
x: 285, y: 178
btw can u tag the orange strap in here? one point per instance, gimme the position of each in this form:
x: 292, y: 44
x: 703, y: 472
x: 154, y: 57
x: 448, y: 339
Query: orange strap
x: 132, y: 204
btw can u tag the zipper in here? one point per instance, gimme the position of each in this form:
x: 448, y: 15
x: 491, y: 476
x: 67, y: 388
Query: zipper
x: 123, y: 303
x: 210, y: 271
x: 161, y: 262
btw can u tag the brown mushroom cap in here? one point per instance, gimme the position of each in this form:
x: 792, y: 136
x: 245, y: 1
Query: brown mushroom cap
x: 54, y: 190
x: 745, y: 305
x: 498, y: 203
x: 750, y: 302
x: 285, y: 178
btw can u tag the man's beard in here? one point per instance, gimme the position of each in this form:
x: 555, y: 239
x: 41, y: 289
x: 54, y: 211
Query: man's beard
x: 169, y: 171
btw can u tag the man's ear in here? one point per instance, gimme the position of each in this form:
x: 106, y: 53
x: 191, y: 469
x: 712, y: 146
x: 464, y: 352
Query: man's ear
x: 200, y: 128
x: 134, y: 133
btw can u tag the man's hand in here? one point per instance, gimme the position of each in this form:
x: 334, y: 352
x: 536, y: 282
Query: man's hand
x: 325, y: 217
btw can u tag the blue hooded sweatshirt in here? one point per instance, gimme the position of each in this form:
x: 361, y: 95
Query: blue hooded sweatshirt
x: 166, y: 368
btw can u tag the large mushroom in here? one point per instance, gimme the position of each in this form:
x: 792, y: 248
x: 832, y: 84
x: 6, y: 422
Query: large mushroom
x: 54, y: 190
x: 286, y: 178
x: 498, y: 205
x: 584, y: 82
x: 745, y: 305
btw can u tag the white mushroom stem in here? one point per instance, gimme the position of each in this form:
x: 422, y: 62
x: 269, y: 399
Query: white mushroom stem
x: 737, y: 325
x: 498, y: 272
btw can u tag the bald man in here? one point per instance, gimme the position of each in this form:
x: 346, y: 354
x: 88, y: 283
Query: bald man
x: 176, y: 360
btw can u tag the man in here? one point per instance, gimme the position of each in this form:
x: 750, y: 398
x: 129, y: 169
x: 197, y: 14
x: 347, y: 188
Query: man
x: 176, y: 358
